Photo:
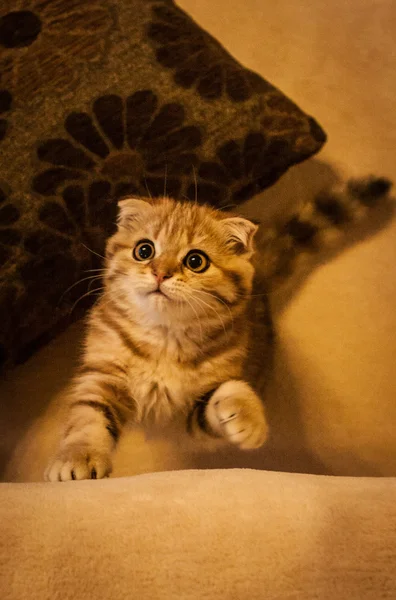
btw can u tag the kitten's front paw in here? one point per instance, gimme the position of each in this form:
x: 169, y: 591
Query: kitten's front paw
x: 236, y: 413
x: 78, y: 462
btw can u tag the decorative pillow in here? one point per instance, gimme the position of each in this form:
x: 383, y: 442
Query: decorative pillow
x: 105, y: 98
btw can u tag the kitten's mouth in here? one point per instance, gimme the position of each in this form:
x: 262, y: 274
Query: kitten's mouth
x: 159, y: 292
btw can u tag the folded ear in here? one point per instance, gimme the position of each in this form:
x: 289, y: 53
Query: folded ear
x: 240, y: 233
x: 132, y: 210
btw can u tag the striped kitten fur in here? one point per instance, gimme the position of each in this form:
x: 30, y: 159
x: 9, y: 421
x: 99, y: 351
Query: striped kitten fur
x: 184, y: 322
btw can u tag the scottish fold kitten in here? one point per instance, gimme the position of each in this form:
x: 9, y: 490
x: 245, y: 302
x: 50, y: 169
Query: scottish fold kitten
x: 184, y: 322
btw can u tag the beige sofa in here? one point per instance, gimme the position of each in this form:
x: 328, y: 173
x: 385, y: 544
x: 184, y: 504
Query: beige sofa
x: 235, y: 534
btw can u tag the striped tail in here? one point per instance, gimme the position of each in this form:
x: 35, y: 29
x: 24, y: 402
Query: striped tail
x: 322, y: 224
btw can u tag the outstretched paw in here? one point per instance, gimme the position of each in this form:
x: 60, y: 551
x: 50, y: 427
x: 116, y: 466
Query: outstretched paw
x: 236, y: 413
x: 78, y: 462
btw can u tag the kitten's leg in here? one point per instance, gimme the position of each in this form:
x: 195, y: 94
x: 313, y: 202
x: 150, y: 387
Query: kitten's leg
x: 98, y: 410
x: 233, y: 412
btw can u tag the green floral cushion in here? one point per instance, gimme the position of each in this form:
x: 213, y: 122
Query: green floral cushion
x: 105, y: 98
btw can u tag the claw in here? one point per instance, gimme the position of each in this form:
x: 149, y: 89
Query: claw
x: 228, y: 419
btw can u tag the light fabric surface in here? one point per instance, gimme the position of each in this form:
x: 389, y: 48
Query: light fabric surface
x: 235, y: 534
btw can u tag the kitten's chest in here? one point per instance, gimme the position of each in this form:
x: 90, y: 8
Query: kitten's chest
x: 161, y: 387
x: 174, y: 374
x: 163, y: 382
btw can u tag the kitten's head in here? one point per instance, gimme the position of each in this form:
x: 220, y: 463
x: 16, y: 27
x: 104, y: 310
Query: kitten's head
x: 179, y: 259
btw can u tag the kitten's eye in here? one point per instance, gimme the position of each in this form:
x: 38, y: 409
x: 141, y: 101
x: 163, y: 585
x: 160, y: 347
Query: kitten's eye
x: 144, y: 250
x: 197, y: 261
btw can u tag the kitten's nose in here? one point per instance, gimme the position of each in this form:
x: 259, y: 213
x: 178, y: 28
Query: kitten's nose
x: 161, y: 275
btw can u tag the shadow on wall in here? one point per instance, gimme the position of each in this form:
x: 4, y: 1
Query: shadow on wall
x: 300, y: 185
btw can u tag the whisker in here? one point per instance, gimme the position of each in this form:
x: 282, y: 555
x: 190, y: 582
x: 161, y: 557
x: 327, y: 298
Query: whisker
x: 228, y: 206
x: 93, y: 251
x: 146, y: 186
x: 89, y: 293
x: 202, y: 302
x: 197, y: 315
x: 195, y: 184
x: 218, y: 300
x: 93, y: 281
x: 112, y: 295
x: 165, y: 178
x: 266, y: 294
x: 250, y: 295
x: 93, y: 277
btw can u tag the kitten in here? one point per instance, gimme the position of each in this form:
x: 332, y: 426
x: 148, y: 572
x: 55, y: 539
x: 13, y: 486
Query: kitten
x: 184, y: 323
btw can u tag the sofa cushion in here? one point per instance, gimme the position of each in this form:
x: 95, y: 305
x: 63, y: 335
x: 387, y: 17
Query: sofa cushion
x: 107, y: 98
